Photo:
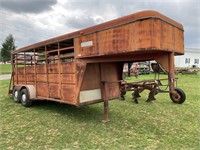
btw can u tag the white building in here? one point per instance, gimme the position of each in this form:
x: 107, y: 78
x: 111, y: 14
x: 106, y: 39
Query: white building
x: 191, y: 58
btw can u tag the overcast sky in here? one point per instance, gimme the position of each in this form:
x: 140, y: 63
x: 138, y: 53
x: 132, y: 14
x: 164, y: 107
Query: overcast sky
x: 31, y: 21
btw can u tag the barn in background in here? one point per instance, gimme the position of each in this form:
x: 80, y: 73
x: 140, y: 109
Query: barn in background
x: 190, y: 59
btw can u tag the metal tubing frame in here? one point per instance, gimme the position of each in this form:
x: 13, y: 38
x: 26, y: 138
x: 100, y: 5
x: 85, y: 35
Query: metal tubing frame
x: 171, y: 75
x: 105, y: 102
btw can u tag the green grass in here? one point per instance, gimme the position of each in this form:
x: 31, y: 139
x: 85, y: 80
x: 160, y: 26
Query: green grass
x: 157, y: 125
x: 5, y: 68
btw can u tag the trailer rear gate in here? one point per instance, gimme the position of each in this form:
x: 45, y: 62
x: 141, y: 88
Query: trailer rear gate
x: 86, y: 66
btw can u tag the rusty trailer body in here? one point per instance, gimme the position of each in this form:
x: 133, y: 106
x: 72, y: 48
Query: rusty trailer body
x: 85, y: 66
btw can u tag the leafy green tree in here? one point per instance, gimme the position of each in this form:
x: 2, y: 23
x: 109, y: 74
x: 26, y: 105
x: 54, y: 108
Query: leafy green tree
x: 0, y: 54
x: 7, y: 46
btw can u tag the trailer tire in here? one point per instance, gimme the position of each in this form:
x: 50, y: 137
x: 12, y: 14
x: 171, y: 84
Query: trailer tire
x: 16, y: 94
x: 180, y: 98
x: 25, y: 101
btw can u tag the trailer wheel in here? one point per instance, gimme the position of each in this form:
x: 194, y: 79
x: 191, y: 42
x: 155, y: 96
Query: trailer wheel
x: 25, y: 101
x: 179, y: 97
x: 16, y: 95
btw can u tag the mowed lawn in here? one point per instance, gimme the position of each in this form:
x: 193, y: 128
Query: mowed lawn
x: 160, y: 124
x: 5, y: 68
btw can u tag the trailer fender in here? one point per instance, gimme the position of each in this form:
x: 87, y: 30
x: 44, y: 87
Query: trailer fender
x: 31, y: 90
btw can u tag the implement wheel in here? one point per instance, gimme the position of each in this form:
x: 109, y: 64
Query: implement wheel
x: 179, y: 97
x: 25, y: 101
x: 16, y: 95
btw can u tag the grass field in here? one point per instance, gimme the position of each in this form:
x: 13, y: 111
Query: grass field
x: 5, y: 68
x: 157, y: 125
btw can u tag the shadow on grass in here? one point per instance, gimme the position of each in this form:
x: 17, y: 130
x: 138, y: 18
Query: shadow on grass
x: 87, y: 113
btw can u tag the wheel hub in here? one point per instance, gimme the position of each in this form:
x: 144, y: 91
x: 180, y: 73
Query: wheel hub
x: 15, y: 95
x: 24, y: 97
x: 176, y: 97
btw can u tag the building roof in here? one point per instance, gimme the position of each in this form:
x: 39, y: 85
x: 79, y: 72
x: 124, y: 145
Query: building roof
x: 193, y: 50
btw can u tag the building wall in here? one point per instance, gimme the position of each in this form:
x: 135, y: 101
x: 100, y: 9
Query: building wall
x: 189, y: 59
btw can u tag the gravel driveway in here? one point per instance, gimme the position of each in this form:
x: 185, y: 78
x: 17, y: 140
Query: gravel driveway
x: 5, y: 76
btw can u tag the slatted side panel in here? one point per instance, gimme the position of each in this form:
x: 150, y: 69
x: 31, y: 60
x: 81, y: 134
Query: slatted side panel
x: 68, y: 82
x: 20, y: 70
x: 30, y: 78
x: 24, y: 75
x: 40, y: 69
x: 19, y: 75
x: 41, y: 78
x: 54, y: 91
x: 67, y: 68
x: 50, y: 88
x: 68, y: 78
x: 30, y: 75
x: 69, y: 93
x: 42, y: 89
x: 41, y: 81
x: 30, y: 70
x: 52, y: 68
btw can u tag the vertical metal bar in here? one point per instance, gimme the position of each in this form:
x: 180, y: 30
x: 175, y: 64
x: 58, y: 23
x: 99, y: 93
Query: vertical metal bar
x: 12, y: 66
x: 46, y: 67
x: 106, y: 106
x: 13, y: 69
x: 16, y: 67
x: 11, y: 79
x: 171, y: 71
x: 31, y: 60
x: 59, y: 70
x: 25, y: 68
x: 35, y: 73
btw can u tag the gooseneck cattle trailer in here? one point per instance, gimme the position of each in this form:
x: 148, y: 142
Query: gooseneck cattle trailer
x: 85, y: 67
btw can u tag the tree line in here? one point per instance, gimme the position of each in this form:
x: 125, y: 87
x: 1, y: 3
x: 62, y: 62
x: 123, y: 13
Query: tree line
x: 6, y: 48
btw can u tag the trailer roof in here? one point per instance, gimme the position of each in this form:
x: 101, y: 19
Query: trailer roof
x: 113, y: 23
